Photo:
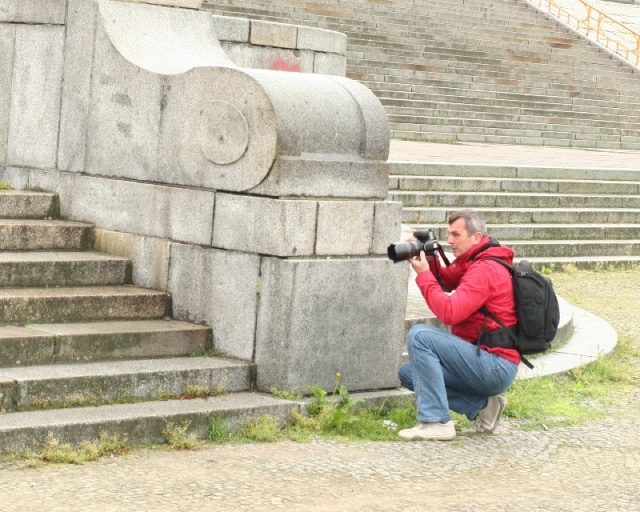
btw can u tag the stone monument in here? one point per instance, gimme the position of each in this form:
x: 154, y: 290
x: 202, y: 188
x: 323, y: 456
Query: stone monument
x: 255, y: 197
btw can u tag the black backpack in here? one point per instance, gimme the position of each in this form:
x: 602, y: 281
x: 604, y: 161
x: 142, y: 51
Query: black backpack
x: 537, y: 311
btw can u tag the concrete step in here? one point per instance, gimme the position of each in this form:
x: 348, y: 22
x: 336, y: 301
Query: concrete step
x: 139, y: 423
x: 431, y: 216
x: 533, y: 172
x: 574, y: 248
x: 416, y: 103
x: 44, y: 235
x: 36, y: 269
x: 80, y: 304
x: 39, y: 344
x: 19, y: 204
x: 513, y: 200
x: 61, y: 385
x: 528, y: 185
x: 512, y: 138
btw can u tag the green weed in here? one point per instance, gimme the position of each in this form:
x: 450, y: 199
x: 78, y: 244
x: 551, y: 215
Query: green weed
x: 176, y: 436
x: 55, y: 452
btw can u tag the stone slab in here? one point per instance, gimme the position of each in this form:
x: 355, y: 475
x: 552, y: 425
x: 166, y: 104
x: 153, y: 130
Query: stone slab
x: 317, y: 318
x: 36, y: 344
x: 7, y: 42
x: 140, y: 423
x: 219, y: 288
x: 265, y: 226
x: 324, y: 176
x: 174, y: 213
x: 36, y: 88
x: 76, y: 89
x: 149, y: 256
x: 229, y: 28
x: 329, y: 41
x: 265, y: 33
x: 344, y: 228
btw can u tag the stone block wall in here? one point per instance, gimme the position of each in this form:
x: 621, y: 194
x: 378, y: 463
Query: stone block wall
x: 256, y: 197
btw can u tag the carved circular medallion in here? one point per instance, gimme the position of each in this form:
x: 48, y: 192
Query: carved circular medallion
x: 225, y: 133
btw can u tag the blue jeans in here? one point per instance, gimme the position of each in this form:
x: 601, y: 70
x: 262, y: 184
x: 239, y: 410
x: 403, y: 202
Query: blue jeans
x: 447, y: 372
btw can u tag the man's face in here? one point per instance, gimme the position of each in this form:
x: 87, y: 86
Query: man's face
x: 459, y: 240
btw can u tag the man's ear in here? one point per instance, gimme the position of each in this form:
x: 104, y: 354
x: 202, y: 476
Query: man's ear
x: 476, y: 237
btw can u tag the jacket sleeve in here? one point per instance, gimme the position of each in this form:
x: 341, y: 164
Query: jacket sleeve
x: 474, y: 287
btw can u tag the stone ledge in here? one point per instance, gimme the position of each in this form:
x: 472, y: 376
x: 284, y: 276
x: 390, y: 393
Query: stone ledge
x: 279, y: 35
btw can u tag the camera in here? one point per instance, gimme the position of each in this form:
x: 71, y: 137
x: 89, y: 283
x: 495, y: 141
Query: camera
x: 426, y: 241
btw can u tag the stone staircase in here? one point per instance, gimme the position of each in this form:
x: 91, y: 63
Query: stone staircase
x: 490, y: 71
x: 549, y: 216
x: 84, y: 351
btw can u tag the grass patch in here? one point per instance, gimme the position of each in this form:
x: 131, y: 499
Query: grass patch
x: 58, y: 453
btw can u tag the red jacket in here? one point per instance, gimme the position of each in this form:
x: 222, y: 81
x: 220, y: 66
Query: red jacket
x: 474, y: 284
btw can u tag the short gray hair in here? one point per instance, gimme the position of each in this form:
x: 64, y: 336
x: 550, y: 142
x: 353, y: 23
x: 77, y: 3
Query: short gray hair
x: 474, y: 221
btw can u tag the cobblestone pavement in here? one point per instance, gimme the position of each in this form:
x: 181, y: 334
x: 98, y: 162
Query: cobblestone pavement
x: 595, y: 467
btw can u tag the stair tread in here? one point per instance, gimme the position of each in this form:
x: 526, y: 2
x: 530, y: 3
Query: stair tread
x: 51, y: 256
x: 78, y: 291
x: 117, y: 413
x: 98, y: 327
x: 122, y: 367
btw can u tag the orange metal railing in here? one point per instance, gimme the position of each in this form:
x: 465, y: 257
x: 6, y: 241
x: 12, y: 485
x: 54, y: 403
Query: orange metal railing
x: 598, y: 26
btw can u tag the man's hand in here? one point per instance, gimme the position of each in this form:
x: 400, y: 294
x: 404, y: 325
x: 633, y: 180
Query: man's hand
x: 420, y: 265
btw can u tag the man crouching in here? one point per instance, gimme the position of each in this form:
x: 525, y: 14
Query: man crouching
x: 451, y: 371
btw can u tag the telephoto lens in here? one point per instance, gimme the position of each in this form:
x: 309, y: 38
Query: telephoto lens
x: 404, y: 250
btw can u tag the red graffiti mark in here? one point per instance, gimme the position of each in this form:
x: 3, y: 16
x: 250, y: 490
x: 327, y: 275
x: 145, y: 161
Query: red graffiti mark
x: 281, y: 65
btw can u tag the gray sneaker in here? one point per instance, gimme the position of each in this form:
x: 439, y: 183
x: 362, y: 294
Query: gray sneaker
x: 488, y: 417
x: 430, y: 432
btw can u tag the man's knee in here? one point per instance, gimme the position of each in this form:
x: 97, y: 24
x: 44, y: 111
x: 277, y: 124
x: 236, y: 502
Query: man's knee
x: 421, y: 335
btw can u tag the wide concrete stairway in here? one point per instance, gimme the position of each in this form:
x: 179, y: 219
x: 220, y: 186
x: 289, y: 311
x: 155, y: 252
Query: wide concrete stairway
x: 83, y: 351
x: 493, y: 71
x: 549, y: 216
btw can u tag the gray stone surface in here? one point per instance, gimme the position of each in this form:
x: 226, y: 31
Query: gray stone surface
x: 133, y: 379
x: 124, y: 115
x: 149, y: 256
x: 219, y: 288
x: 80, y: 304
x: 211, y: 136
x: 38, y: 344
x: 321, y: 176
x: 138, y: 208
x: 35, y: 96
x: 33, y: 11
x: 76, y: 89
x: 142, y: 422
x: 7, y: 42
x: 228, y: 28
x: 273, y: 34
x: 344, y: 228
x: 68, y: 268
x: 320, y: 317
x: 265, y: 226
x: 329, y: 41
x: 302, y: 104
x: 18, y: 204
